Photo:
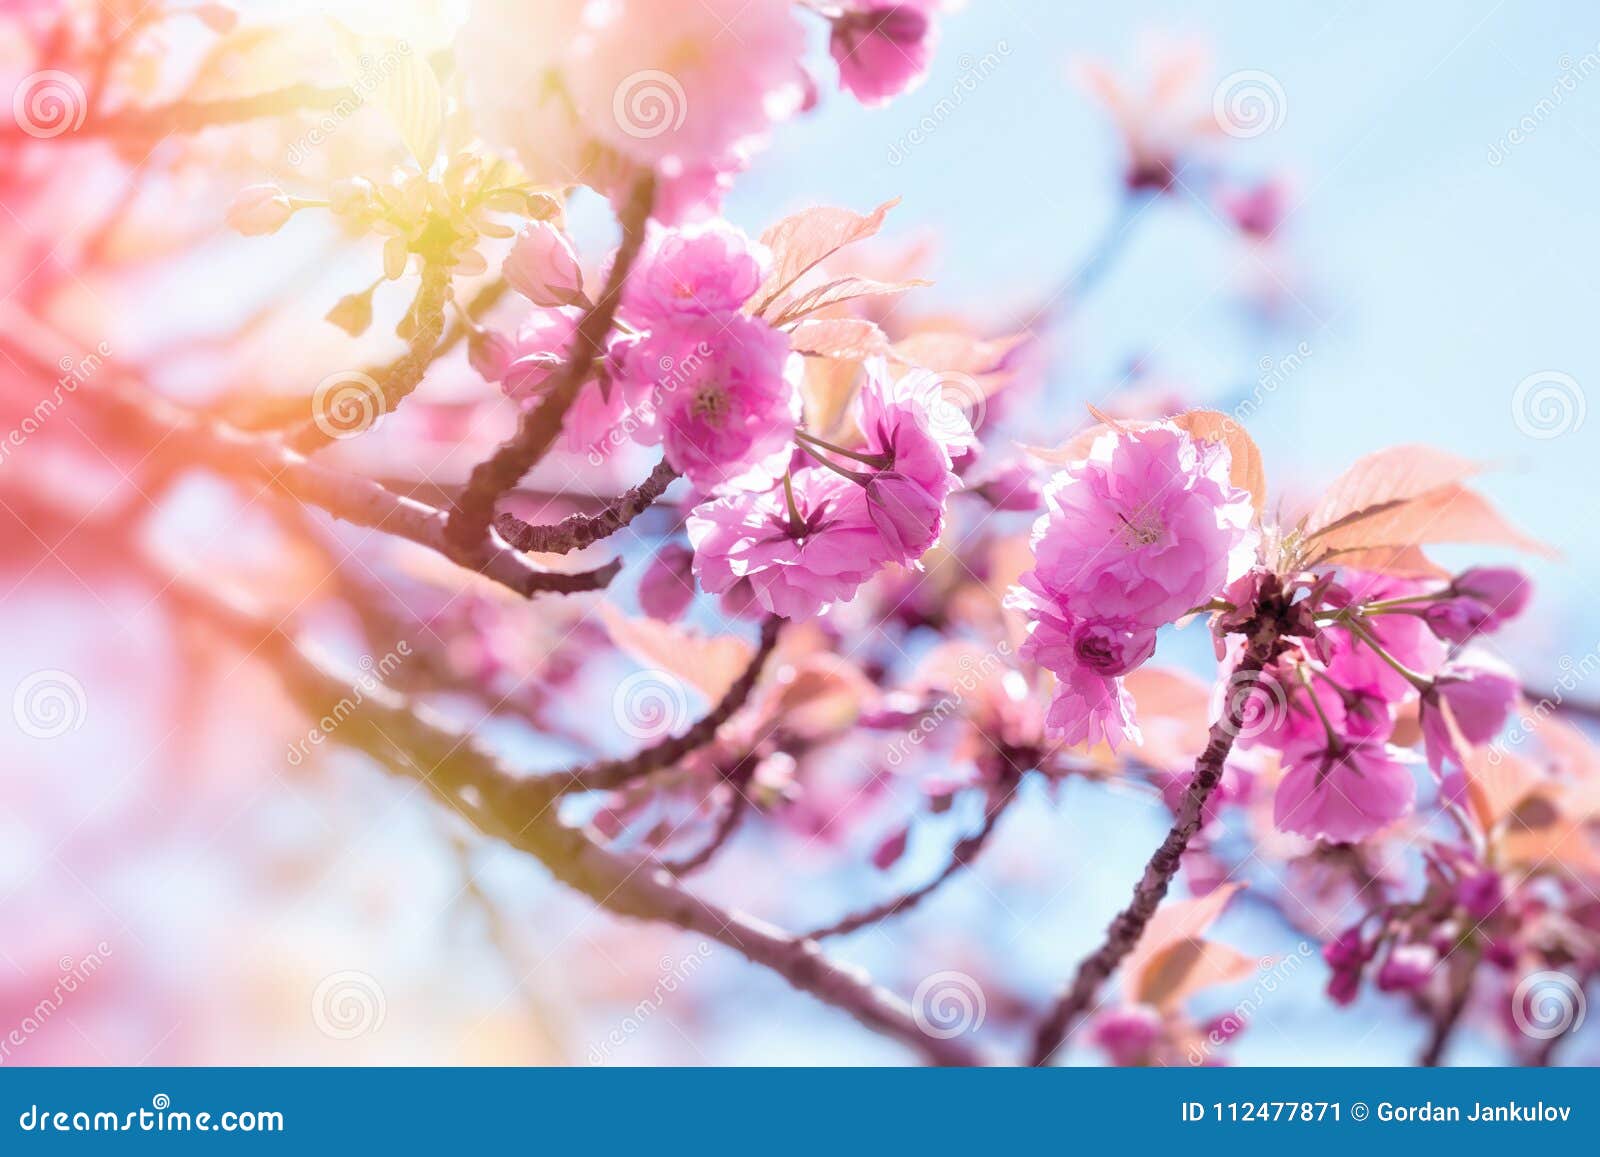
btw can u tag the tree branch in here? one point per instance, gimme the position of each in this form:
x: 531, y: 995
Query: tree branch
x: 962, y: 855
x: 404, y: 739
x: 1129, y: 925
x: 538, y: 427
x: 577, y: 531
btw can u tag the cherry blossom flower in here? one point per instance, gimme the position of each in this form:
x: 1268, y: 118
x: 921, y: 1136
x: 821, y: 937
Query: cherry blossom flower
x: 543, y: 266
x: 692, y: 272
x: 882, y: 49
x: 717, y: 394
x: 1481, y: 600
x: 1345, y: 791
x: 1479, y: 693
x: 802, y: 546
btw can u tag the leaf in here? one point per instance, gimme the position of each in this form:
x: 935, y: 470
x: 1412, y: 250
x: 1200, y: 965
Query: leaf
x: 801, y: 242
x: 825, y: 390
x: 1382, y: 480
x: 955, y: 351
x: 1174, y: 715
x: 1171, y: 960
x: 1448, y: 514
x: 399, y: 81
x: 838, y: 337
x: 709, y: 663
x: 836, y: 292
x: 1400, y: 561
x: 1246, y: 471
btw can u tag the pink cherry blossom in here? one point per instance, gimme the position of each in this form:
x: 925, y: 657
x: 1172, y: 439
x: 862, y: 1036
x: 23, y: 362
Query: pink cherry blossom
x: 882, y: 49
x: 667, y: 586
x: 673, y: 86
x: 1344, y: 792
x: 540, y: 351
x: 906, y: 515
x: 716, y: 393
x: 692, y: 272
x: 798, y: 562
x: 1146, y: 528
x: 1480, y: 693
x: 543, y: 266
x: 1482, y: 600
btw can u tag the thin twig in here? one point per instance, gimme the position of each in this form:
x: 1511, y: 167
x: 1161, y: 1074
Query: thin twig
x: 538, y: 427
x: 1125, y: 931
x: 577, y: 531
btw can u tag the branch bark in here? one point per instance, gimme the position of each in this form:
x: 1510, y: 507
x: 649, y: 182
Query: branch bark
x: 1129, y: 925
x: 539, y: 427
x: 580, y: 530
x: 408, y: 742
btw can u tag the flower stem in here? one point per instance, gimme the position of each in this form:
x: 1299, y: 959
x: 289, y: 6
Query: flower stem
x: 881, y: 461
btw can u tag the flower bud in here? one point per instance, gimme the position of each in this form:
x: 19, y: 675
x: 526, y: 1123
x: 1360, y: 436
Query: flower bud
x: 543, y: 266
x: 667, y: 588
x: 259, y: 210
x: 906, y: 516
x: 1407, y: 967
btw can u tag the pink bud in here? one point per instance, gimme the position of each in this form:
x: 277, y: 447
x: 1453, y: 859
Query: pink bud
x: 1343, y: 986
x: 1127, y: 1034
x: 667, y: 588
x: 880, y: 51
x: 491, y: 354
x: 543, y: 266
x: 1347, y: 951
x: 1480, y: 894
x: 888, y: 853
x: 1407, y: 968
x: 907, y: 517
x: 1484, y: 599
x: 1112, y: 648
x: 259, y: 210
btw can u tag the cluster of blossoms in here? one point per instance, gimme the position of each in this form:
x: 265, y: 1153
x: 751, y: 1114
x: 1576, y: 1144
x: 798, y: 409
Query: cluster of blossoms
x: 1358, y: 651
x: 593, y: 93
x: 1143, y: 531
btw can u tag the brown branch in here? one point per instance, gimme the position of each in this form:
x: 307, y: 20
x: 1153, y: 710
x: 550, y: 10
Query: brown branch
x: 398, y: 380
x: 538, y: 427
x: 159, y: 424
x: 1446, y: 1017
x: 405, y: 740
x: 962, y: 855
x: 610, y: 774
x: 1558, y: 702
x: 577, y: 531
x: 192, y: 116
x: 727, y: 824
x: 1129, y: 925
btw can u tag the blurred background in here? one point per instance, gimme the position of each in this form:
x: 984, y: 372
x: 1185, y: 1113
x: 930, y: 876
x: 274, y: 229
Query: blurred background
x: 216, y: 903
